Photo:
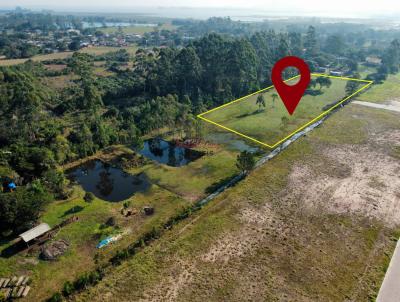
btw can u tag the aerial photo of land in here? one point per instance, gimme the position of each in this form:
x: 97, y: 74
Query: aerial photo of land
x: 146, y: 155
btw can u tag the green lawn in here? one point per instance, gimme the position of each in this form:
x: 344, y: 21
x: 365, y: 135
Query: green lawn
x: 267, y: 125
x: 194, y: 180
x: 380, y: 93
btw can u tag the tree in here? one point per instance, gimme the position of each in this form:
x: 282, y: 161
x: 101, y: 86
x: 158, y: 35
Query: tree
x: 260, y: 101
x: 352, y: 86
x: 391, y: 57
x: 188, y: 70
x: 310, y: 42
x: 285, y: 122
x: 75, y: 44
x: 89, y: 197
x: 242, y: 67
x: 245, y: 161
x: 323, y: 81
x: 21, y: 208
x: 295, y: 43
x: 274, y: 97
x: 335, y: 45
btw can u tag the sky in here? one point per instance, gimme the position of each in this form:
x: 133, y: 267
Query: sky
x: 361, y: 8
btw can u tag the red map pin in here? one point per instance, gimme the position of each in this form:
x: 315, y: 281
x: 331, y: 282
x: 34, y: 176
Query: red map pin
x: 291, y: 95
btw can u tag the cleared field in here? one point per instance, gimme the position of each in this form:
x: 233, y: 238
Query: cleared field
x: 385, y: 92
x: 138, y: 30
x: 66, y: 54
x: 272, y: 123
x: 100, y: 50
x: 317, y: 223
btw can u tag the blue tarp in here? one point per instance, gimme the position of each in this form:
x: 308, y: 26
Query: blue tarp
x: 104, y: 242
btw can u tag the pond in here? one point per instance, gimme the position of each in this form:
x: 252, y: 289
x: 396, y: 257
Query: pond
x: 231, y: 141
x: 169, y: 153
x: 107, y: 182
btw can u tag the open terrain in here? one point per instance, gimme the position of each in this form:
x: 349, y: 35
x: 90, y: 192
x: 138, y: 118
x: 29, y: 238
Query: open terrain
x: 317, y: 223
x: 98, y: 50
x: 272, y: 123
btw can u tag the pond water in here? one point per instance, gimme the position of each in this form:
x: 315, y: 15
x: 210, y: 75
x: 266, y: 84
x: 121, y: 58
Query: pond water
x: 107, y: 182
x: 168, y: 153
x: 231, y: 141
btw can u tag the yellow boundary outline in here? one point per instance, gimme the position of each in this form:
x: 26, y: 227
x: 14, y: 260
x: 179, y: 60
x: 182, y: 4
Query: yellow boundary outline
x: 200, y: 116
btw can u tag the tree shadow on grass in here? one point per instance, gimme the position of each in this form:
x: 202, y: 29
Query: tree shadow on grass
x: 313, y: 92
x: 216, y: 185
x: 13, y: 249
x: 73, y: 210
x: 249, y: 114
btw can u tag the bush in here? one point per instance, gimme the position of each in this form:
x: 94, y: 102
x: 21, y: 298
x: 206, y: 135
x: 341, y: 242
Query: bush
x: 89, y: 197
x: 110, y: 222
x: 68, y: 289
x: 55, y: 298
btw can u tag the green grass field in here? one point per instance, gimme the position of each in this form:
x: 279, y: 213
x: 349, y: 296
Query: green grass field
x: 253, y: 242
x: 266, y: 125
x: 385, y: 92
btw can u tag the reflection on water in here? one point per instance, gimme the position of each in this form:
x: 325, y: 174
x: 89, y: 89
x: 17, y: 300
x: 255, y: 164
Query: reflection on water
x: 231, y: 141
x: 107, y: 182
x: 168, y: 153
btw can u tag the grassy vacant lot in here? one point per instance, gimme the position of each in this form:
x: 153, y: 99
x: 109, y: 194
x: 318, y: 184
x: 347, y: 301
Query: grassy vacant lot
x: 314, y: 224
x: 266, y: 125
x: 386, y: 92
x: 62, y: 55
x: 138, y: 30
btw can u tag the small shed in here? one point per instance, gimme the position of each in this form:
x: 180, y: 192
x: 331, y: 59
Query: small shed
x: 36, y: 232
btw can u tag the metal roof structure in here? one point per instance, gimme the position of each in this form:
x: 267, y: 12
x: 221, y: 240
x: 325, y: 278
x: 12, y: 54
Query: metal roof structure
x: 35, y: 232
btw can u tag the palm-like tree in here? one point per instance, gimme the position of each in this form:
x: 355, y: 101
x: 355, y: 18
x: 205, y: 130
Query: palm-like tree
x: 274, y: 97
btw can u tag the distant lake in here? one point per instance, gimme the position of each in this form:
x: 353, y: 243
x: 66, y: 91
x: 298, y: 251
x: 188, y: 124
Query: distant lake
x: 115, y: 24
x: 107, y: 182
x: 168, y: 153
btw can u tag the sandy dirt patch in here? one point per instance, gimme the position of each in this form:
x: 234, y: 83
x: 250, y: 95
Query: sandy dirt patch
x: 390, y: 105
x: 372, y: 188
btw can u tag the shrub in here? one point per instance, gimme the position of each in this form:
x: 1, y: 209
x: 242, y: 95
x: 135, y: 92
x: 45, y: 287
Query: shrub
x: 81, y: 282
x: 55, y: 298
x: 89, y: 197
x: 68, y: 289
x: 110, y: 222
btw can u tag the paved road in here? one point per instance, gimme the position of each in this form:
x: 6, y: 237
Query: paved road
x: 391, y: 107
x: 390, y: 289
